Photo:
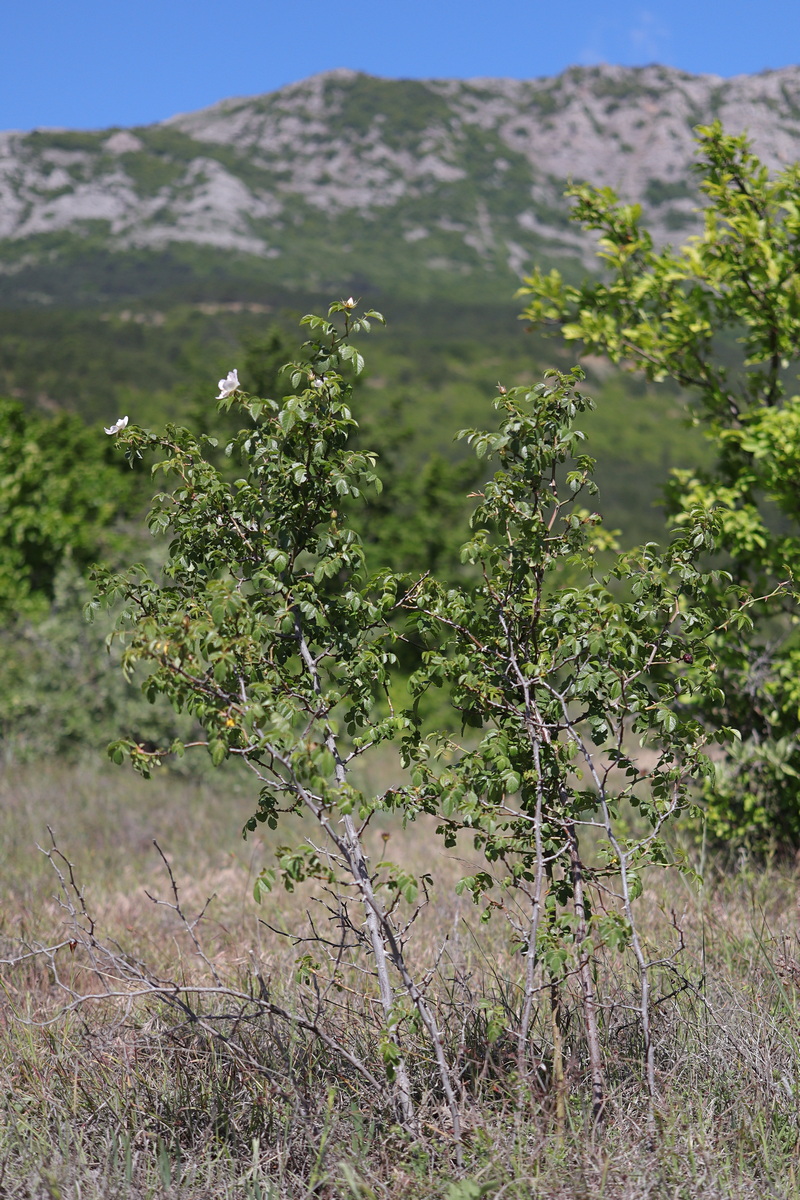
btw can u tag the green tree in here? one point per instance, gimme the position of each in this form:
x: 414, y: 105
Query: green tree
x: 721, y: 316
x: 61, y: 490
x: 66, y: 499
x: 265, y: 628
x: 558, y: 684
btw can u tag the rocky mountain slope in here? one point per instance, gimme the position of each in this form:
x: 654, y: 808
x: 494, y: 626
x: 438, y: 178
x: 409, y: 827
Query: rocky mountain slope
x: 418, y: 185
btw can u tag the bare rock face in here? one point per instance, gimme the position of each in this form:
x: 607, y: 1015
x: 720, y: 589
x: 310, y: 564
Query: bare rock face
x: 122, y: 142
x: 458, y: 176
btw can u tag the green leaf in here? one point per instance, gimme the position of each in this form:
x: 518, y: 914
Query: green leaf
x: 218, y: 751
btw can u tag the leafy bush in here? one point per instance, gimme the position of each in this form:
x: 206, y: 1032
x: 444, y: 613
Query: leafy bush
x: 561, y: 680
x: 61, y: 490
x: 64, y: 696
x: 721, y: 316
x: 266, y: 627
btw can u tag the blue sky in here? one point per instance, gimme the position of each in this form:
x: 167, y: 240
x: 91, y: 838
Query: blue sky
x: 95, y: 63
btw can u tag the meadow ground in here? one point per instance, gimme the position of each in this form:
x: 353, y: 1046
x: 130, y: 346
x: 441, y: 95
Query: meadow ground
x: 209, y: 1065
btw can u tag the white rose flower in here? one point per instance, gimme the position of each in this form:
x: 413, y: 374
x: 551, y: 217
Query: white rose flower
x: 229, y: 384
x: 112, y: 429
x: 349, y: 302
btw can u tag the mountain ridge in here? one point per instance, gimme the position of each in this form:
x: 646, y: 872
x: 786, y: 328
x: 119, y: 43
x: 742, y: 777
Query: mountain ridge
x: 347, y: 176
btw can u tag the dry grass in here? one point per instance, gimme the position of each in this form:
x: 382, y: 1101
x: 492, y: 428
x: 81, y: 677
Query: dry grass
x: 137, y: 1096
